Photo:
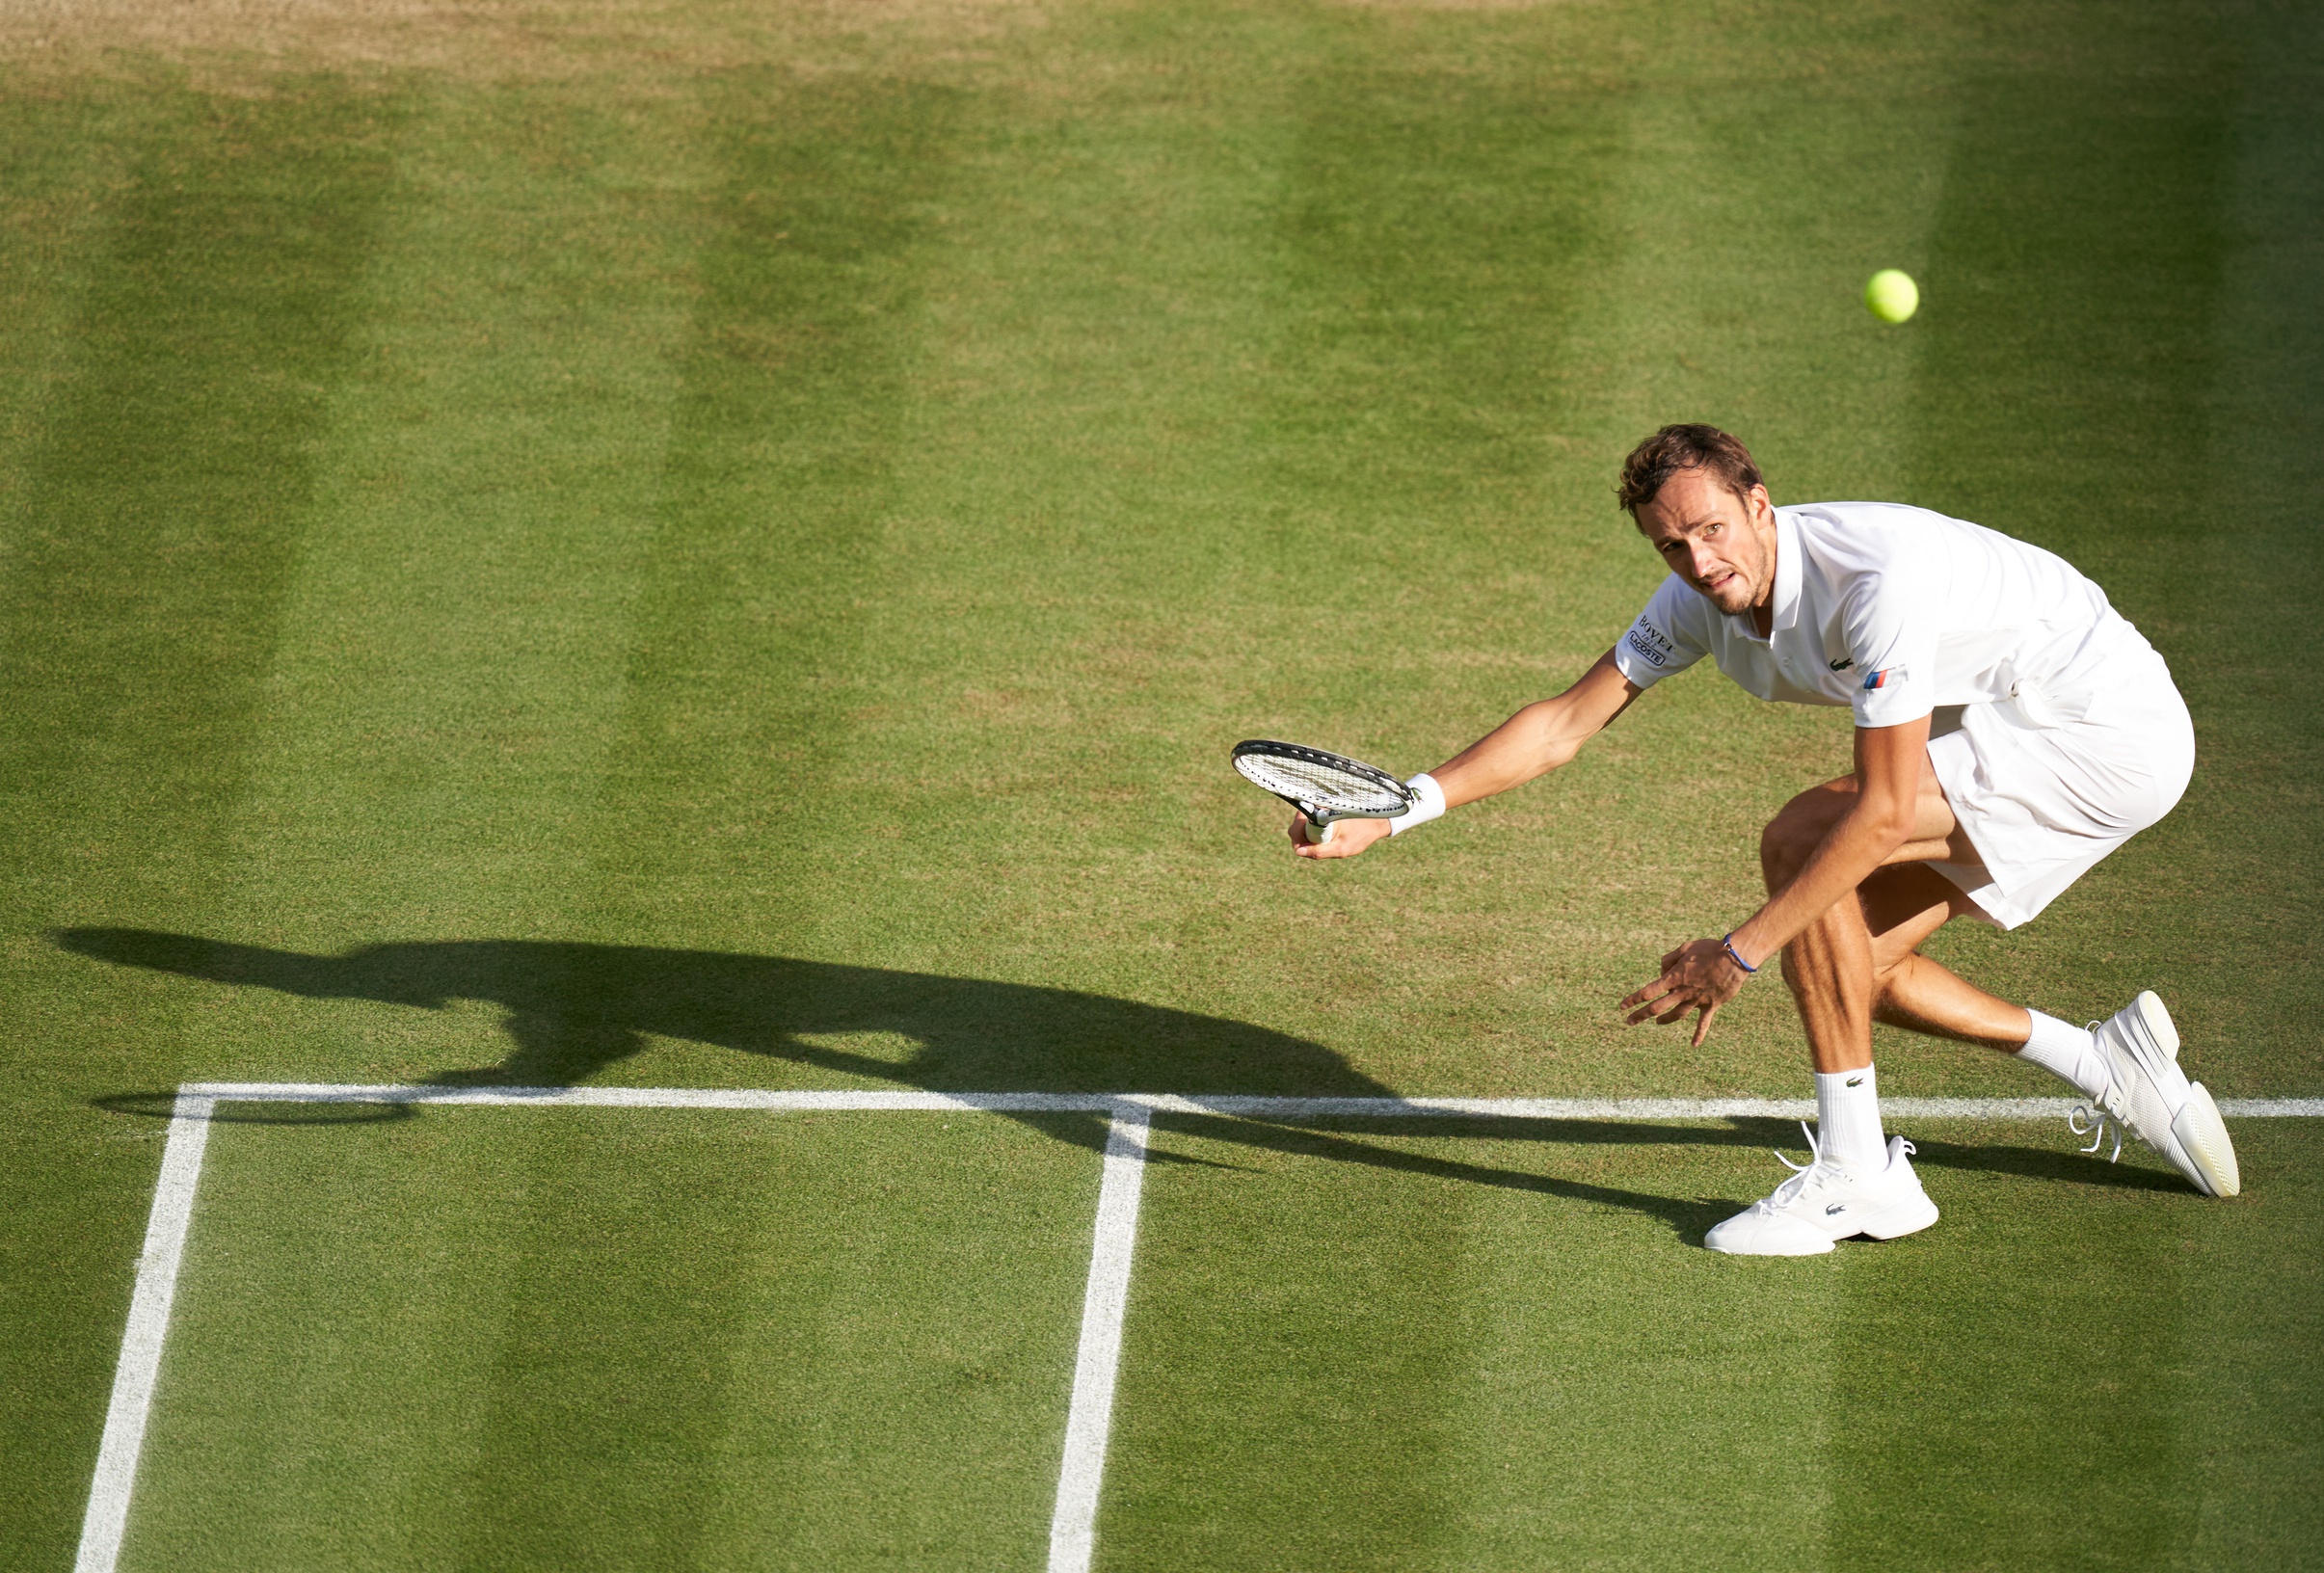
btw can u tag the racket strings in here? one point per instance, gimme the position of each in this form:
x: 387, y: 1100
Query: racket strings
x: 1322, y: 785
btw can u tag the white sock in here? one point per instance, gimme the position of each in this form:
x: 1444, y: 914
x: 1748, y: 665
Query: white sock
x: 2068, y: 1051
x: 1848, y: 1119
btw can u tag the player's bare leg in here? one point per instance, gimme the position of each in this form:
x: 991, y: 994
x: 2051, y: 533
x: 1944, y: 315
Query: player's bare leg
x: 1838, y: 968
x: 1903, y: 905
x: 1859, y: 962
x: 2127, y: 1066
x: 1843, y: 968
x: 1860, y: 1183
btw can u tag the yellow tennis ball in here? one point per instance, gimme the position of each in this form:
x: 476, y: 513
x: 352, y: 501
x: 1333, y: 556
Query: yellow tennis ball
x: 1893, y: 295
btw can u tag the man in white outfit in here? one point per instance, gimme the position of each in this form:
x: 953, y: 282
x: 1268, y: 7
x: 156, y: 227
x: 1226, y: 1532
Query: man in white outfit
x: 2012, y: 728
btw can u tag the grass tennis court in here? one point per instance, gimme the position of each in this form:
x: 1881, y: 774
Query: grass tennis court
x: 704, y: 547
x: 712, y: 1337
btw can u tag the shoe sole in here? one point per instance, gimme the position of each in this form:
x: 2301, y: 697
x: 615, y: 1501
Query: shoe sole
x: 2150, y: 1008
x: 2206, y: 1155
x: 1825, y: 1247
x: 1904, y: 1219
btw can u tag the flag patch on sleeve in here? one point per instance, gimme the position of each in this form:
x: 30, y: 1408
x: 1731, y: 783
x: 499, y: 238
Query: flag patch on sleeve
x: 1887, y: 676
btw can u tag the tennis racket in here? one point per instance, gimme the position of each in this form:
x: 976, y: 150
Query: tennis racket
x: 1323, y: 786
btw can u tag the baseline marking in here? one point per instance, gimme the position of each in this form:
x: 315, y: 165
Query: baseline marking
x: 1232, y: 1105
x: 133, y: 1378
x: 1073, y: 1527
x: 1088, y: 1423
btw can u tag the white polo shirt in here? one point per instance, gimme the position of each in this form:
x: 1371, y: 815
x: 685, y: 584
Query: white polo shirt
x: 1894, y: 611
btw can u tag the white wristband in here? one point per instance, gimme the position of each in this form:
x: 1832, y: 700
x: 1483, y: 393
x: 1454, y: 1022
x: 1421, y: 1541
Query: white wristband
x: 1429, y: 805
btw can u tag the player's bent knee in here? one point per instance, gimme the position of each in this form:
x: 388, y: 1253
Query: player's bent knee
x: 1785, y: 845
x: 1886, y: 972
x: 1793, y: 836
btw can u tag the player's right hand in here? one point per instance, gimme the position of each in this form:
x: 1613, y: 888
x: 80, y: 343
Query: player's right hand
x: 1348, y: 837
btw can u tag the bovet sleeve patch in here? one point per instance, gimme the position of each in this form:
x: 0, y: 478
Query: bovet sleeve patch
x: 1664, y: 639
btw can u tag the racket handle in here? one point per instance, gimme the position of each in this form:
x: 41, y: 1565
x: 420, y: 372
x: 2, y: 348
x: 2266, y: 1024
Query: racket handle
x: 1316, y: 835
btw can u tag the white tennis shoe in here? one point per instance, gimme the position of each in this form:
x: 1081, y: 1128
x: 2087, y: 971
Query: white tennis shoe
x: 2151, y: 1098
x: 1825, y: 1200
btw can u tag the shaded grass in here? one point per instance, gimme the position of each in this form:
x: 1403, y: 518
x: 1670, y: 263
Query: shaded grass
x: 777, y: 483
x: 153, y: 519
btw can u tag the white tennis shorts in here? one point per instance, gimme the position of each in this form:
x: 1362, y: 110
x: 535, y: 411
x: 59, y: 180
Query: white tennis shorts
x: 2044, y: 790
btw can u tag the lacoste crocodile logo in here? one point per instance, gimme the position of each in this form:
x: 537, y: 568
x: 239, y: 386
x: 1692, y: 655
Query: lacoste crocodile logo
x: 1842, y: 666
x: 1837, y: 1206
x: 1856, y: 1080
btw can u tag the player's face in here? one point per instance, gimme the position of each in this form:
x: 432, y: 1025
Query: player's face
x: 1722, y: 544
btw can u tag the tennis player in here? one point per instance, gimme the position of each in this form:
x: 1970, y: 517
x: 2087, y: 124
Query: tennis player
x: 2012, y: 728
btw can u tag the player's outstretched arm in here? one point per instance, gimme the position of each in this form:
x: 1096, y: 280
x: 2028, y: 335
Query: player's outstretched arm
x: 1539, y: 737
x: 1535, y: 741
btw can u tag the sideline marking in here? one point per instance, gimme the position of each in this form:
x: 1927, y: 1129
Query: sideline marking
x: 1072, y: 1527
x: 139, y: 1364
x: 1072, y: 1535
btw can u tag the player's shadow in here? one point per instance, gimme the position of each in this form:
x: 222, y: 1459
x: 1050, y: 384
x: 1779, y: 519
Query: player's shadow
x: 1367, y: 1141
x: 572, y: 1010
x: 575, y: 1009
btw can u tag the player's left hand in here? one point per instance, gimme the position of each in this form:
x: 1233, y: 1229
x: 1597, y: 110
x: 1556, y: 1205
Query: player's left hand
x: 1699, y: 976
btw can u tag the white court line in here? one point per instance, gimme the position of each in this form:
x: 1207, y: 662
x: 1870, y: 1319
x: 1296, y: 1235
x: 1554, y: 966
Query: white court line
x: 764, y: 1099
x: 139, y: 1364
x: 1072, y: 1530
x: 780, y: 1101
x: 1073, y: 1526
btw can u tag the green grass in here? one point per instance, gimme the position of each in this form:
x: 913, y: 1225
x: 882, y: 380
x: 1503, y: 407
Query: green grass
x: 486, y: 1338
x: 1365, y: 1347
x: 709, y: 547
x: 650, y: 1340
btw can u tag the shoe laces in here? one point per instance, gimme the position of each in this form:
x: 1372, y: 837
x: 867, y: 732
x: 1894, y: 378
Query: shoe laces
x: 1788, y: 1191
x: 2094, y: 1119
x: 1815, y: 1153
x: 2099, y: 1121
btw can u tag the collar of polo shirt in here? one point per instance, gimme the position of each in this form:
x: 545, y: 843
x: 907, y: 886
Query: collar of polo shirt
x: 1784, y: 609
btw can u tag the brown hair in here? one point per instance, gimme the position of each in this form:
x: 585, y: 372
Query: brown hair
x: 1675, y: 448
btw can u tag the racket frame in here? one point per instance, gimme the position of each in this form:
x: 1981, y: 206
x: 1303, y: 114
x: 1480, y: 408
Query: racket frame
x: 1321, y: 819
